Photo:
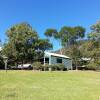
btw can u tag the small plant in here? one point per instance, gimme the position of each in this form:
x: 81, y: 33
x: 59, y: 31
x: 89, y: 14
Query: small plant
x: 45, y: 67
x: 37, y: 66
x: 57, y: 66
x: 60, y: 66
x: 92, y: 66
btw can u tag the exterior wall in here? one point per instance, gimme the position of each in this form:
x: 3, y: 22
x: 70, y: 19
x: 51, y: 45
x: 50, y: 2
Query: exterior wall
x: 65, y: 61
x: 53, y: 60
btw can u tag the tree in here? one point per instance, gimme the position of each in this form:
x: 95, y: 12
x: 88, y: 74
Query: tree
x: 95, y: 33
x: 75, y: 53
x: 23, y: 43
x: 20, y: 38
x: 41, y: 46
x: 91, y: 48
x: 94, y: 37
x: 69, y: 35
x: 51, y: 33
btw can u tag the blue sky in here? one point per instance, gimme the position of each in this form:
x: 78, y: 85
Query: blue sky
x: 42, y: 14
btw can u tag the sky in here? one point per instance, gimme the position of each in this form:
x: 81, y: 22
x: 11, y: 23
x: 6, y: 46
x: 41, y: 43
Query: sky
x: 43, y: 14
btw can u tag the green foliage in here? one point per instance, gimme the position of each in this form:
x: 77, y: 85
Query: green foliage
x: 43, y: 44
x: 45, y: 67
x: 23, y: 44
x: 60, y: 66
x: 92, y: 47
x: 37, y: 66
x: 95, y: 33
x: 51, y: 33
x: 75, y: 53
x: 21, y: 38
x: 57, y: 66
x: 98, y: 62
x: 92, y: 66
x: 69, y: 35
x: 79, y: 32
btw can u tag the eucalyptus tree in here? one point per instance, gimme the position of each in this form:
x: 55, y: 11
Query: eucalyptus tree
x: 95, y: 32
x: 41, y: 46
x: 94, y: 38
x: 65, y: 35
x: 70, y: 35
x: 51, y: 34
x: 22, y: 43
x: 54, y: 34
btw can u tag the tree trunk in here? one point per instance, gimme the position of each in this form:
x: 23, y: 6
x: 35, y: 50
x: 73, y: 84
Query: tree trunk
x: 76, y: 64
x: 22, y: 64
x: 61, y: 48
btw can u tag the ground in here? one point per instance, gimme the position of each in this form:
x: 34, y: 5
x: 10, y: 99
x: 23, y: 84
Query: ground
x: 69, y: 85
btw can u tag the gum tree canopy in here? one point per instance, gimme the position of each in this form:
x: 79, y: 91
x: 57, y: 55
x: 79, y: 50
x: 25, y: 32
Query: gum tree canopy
x: 94, y: 45
x: 23, y: 43
x: 69, y: 35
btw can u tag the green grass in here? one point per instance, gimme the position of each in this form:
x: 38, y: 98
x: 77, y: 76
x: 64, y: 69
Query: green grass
x: 69, y: 85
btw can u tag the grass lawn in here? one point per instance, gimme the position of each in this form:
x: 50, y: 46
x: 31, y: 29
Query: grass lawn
x: 69, y: 85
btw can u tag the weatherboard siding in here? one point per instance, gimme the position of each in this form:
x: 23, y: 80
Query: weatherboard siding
x: 53, y: 60
x: 67, y: 62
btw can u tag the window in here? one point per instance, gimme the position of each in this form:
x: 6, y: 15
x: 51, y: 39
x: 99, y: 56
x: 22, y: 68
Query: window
x: 47, y: 60
x: 59, y: 60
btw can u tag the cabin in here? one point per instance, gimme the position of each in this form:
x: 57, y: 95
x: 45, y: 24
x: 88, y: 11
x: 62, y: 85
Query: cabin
x: 53, y: 58
x: 0, y: 48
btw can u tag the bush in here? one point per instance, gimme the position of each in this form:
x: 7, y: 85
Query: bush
x: 56, y: 66
x: 60, y: 66
x: 98, y: 65
x: 92, y: 66
x: 45, y: 67
x: 37, y: 66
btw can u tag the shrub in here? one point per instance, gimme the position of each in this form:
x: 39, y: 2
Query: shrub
x: 60, y: 66
x: 45, y: 67
x: 53, y: 67
x: 57, y: 66
x: 98, y: 65
x: 92, y: 66
x: 37, y: 65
